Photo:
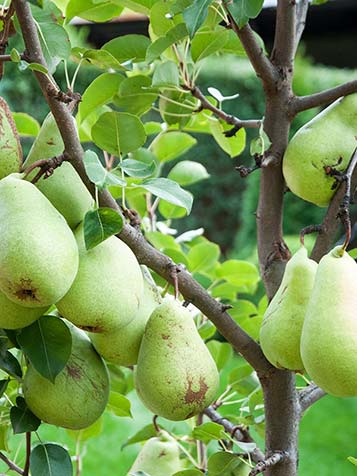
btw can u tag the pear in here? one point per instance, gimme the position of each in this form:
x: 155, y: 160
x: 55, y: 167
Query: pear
x: 329, y: 139
x: 38, y: 252
x: 106, y: 293
x: 64, y: 188
x: 121, y: 347
x: 13, y: 316
x: 160, y: 456
x: 80, y: 392
x: 10, y: 147
x: 329, y: 334
x: 176, y: 376
x: 282, y: 324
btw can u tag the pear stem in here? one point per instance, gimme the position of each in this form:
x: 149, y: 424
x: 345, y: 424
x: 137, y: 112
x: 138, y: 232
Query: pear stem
x: 309, y: 229
x: 156, y: 425
x: 344, y: 213
x: 28, y: 454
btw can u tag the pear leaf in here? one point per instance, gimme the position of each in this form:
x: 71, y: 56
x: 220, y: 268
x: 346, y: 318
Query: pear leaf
x: 99, y: 225
x: 50, y: 460
x: 195, y: 15
x: 22, y: 419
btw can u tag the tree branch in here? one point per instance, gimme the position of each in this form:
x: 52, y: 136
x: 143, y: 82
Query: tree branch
x: 301, y: 14
x: 309, y: 395
x: 28, y: 454
x: 303, y: 103
x: 232, y: 120
x: 260, y: 62
x: 240, y: 435
x: 268, y: 463
x: 11, y: 464
x: 145, y: 253
x: 285, y: 35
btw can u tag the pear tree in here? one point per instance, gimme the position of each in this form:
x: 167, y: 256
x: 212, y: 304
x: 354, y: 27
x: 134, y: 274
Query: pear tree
x: 104, y: 305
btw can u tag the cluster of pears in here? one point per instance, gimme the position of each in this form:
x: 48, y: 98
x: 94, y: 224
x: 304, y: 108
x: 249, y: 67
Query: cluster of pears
x: 326, y: 142
x: 310, y: 323
x: 110, y: 304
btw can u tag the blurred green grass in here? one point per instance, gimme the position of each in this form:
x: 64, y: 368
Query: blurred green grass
x: 328, y: 436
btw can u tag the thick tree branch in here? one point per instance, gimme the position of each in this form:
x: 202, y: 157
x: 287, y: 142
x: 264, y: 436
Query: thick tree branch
x: 232, y: 120
x: 260, y: 62
x: 285, y: 33
x: 309, y: 395
x: 146, y: 254
x: 240, y: 435
x: 301, y: 14
x: 303, y: 103
x: 268, y: 463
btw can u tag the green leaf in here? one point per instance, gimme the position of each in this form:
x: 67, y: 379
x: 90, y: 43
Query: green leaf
x: 47, y: 344
x: 101, y: 91
x: 161, y: 18
x: 22, y: 419
x: 352, y: 460
x: 208, y: 431
x: 318, y: 2
x: 136, y: 95
x: 143, y: 434
x: 169, y: 191
x: 137, y: 169
x: 55, y: 43
x: 119, y: 405
x: 195, y: 15
x: 175, y: 35
x: 50, y: 460
x: 26, y: 125
x: 128, y: 48
x: 243, y: 10
x: 238, y: 272
x: 188, y: 172
x: 161, y: 241
x: 222, y: 463
x: 93, y: 10
x: 222, y: 352
x: 189, y: 472
x: 170, y: 211
x: 99, y: 225
x: 118, y: 133
x: 239, y: 373
x: 101, y: 59
x: 176, y: 107
x: 203, y: 257
x: 140, y: 6
x: 166, y: 74
x: 10, y: 365
x: 4, y: 436
x: 176, y: 256
x: 35, y: 67
x: 15, y: 56
x: 171, y: 145
x: 3, y: 386
x: 206, y: 43
x: 232, y: 145
x: 97, y: 174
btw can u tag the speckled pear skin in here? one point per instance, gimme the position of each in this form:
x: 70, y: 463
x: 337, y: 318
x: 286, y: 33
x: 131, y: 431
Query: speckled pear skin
x: 121, y: 347
x: 38, y: 252
x: 64, y: 188
x: 329, y: 139
x: 13, y: 316
x: 106, y: 293
x: 160, y: 456
x: 10, y: 147
x: 80, y: 392
x: 329, y: 335
x: 283, y: 320
x: 176, y: 376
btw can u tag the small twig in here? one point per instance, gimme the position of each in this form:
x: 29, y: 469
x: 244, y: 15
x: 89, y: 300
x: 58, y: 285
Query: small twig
x: 238, y: 432
x: 175, y: 269
x: 309, y: 229
x: 4, y: 58
x: 301, y: 13
x: 201, y: 448
x: 232, y: 120
x: 154, y: 422
x: 11, y: 464
x: 46, y: 166
x: 133, y: 217
x: 61, y: 96
x: 28, y: 454
x: 268, y: 463
x: 6, y: 32
x: 309, y: 395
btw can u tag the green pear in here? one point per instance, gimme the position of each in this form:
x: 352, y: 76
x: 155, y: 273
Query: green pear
x: 329, y: 139
x: 38, y: 252
x: 176, y: 376
x: 13, y: 316
x: 329, y: 334
x: 160, y: 456
x: 10, y: 147
x: 283, y: 320
x: 80, y: 392
x: 64, y: 188
x: 106, y: 293
x: 121, y: 347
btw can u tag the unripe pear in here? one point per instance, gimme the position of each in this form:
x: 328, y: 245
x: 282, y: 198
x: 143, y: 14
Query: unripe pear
x: 176, y: 376
x: 328, y: 140
x: 13, y: 316
x: 10, y: 147
x: 64, y: 188
x: 80, y: 392
x: 121, y: 347
x: 283, y: 320
x: 329, y: 335
x: 160, y: 456
x: 106, y: 293
x: 38, y: 252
